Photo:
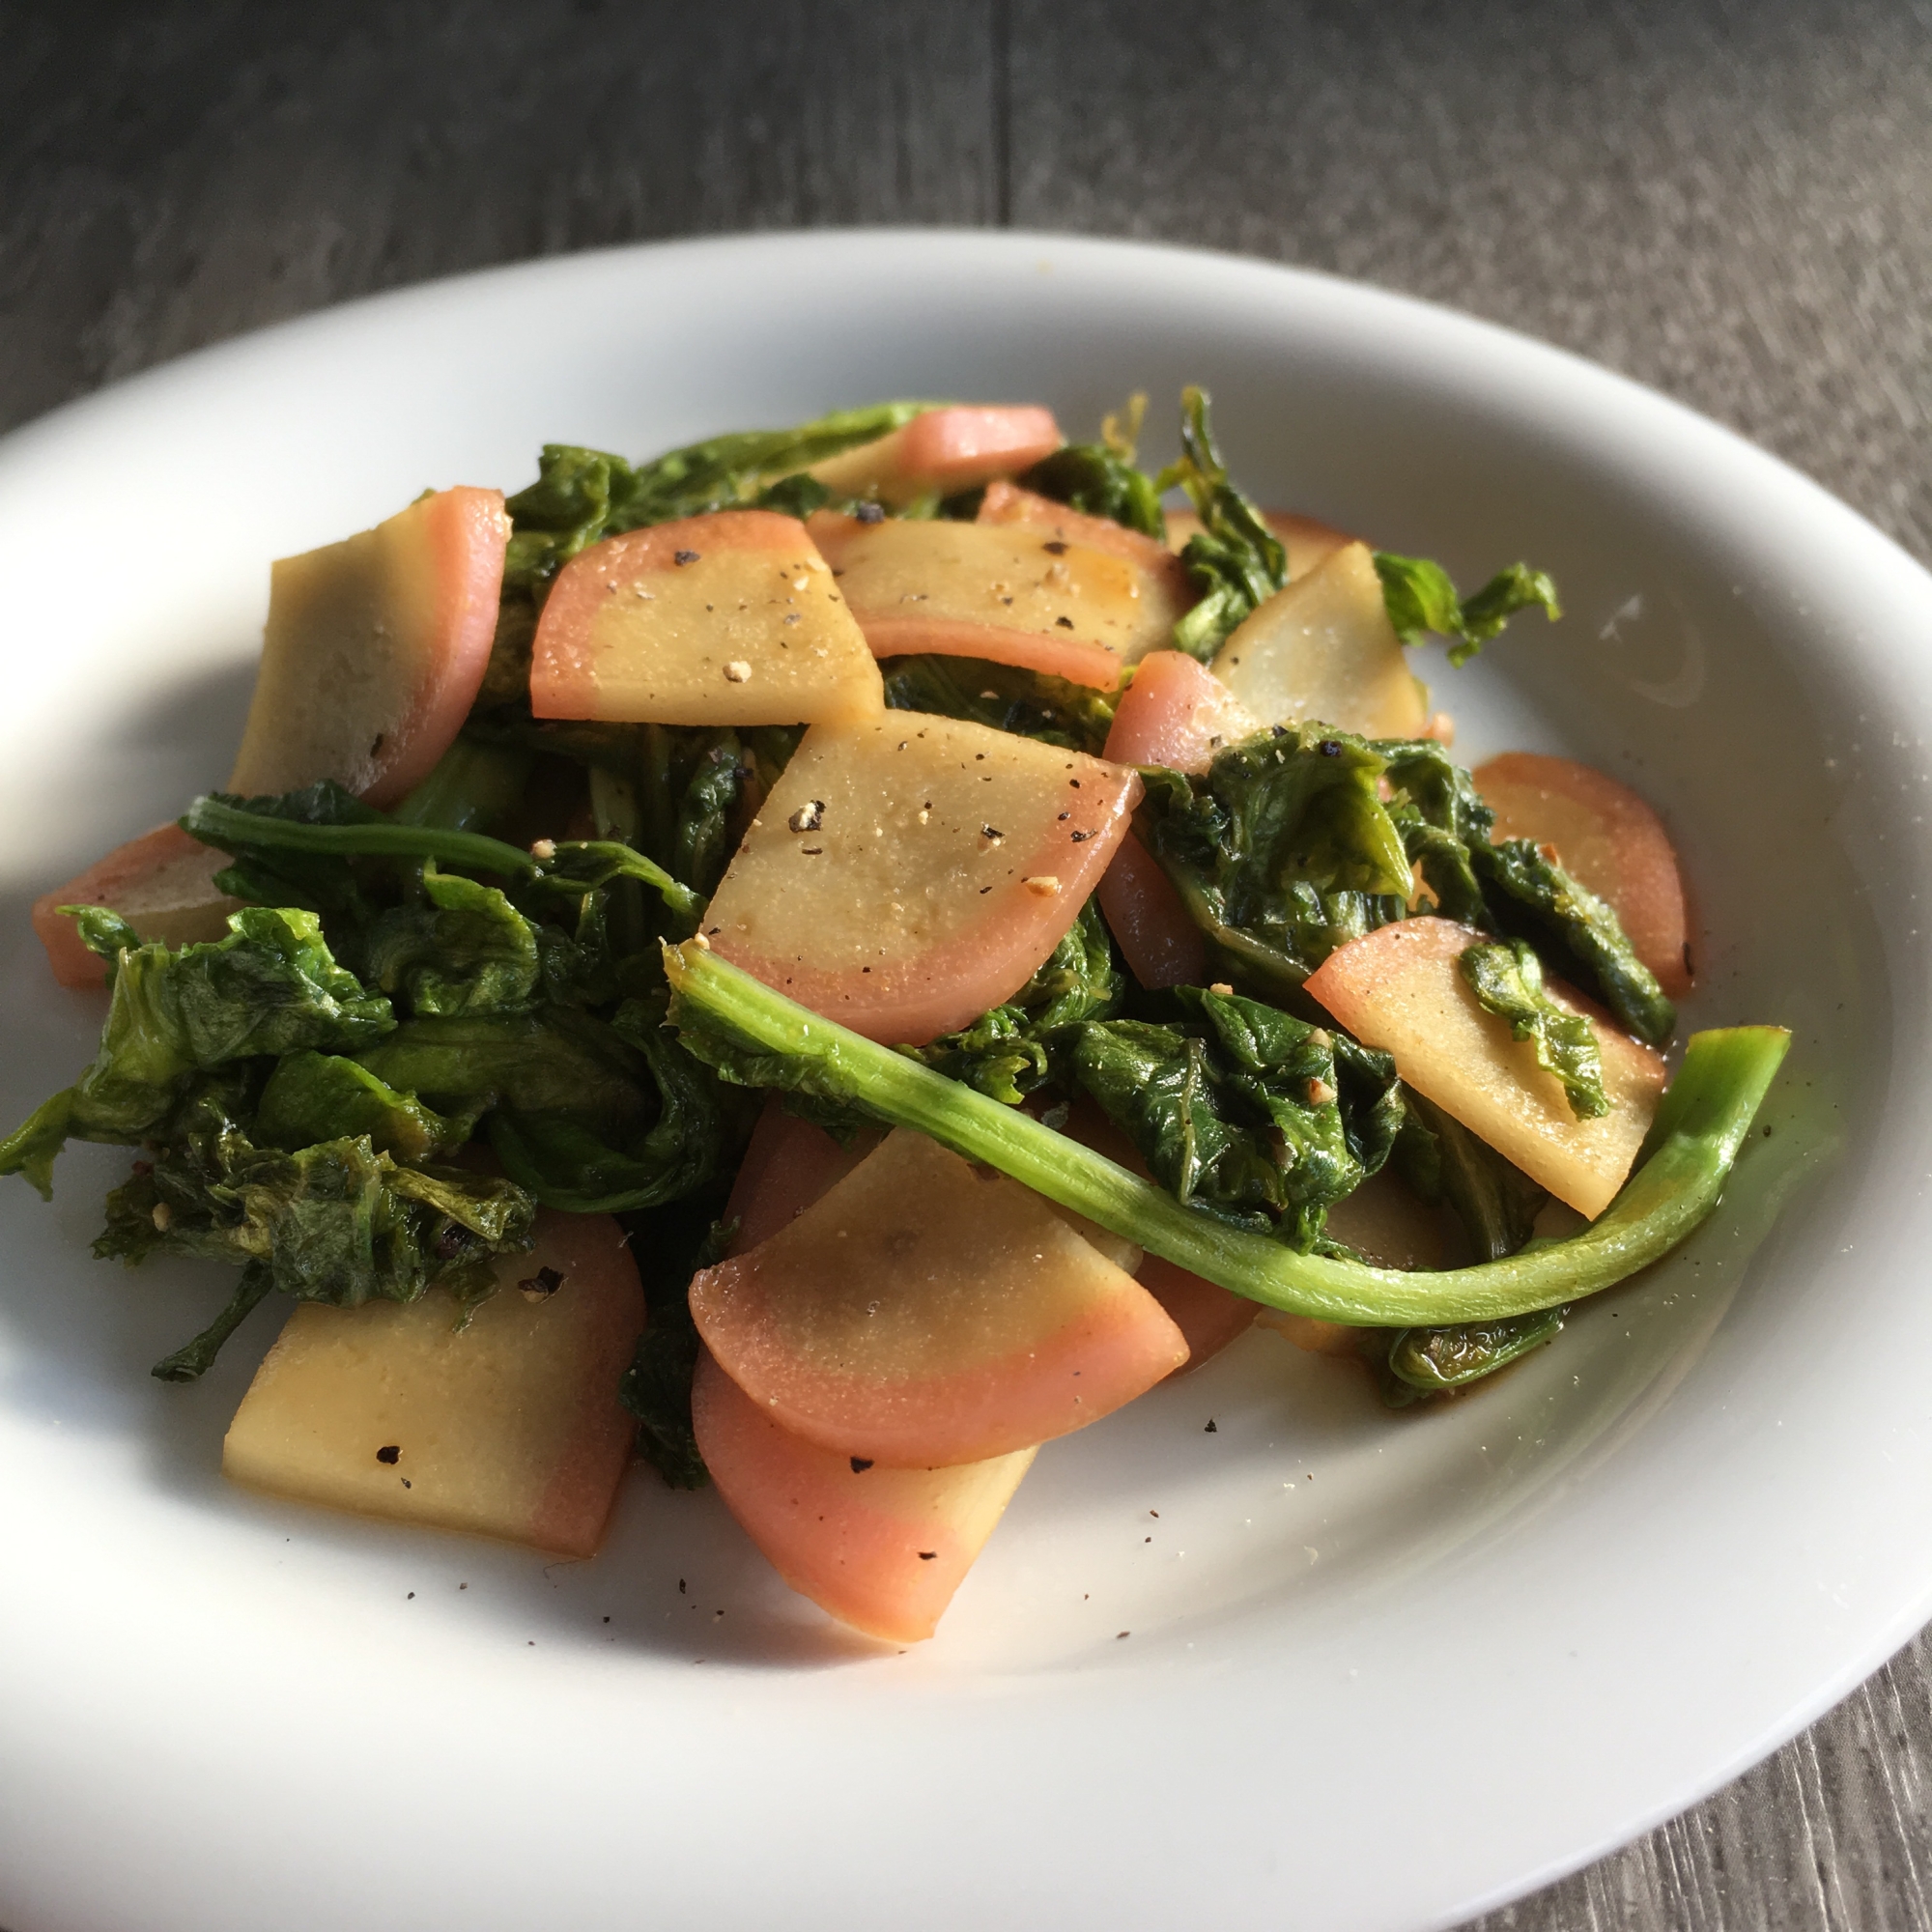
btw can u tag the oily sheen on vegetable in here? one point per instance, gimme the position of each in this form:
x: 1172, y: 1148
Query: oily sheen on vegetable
x: 831, y: 957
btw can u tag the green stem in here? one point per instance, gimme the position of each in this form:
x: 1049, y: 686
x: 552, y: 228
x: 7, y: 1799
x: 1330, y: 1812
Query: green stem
x: 191, y: 1362
x: 1699, y: 1129
x: 228, y: 826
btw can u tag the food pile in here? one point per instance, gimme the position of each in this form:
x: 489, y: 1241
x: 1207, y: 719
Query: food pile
x: 839, y: 955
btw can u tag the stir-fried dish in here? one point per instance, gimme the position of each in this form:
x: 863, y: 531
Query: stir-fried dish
x: 835, y: 957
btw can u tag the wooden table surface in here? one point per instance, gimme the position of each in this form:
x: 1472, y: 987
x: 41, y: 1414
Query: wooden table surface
x: 1732, y: 202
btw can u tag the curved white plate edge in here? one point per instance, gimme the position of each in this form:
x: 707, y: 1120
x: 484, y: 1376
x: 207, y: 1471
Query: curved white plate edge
x: 107, y: 398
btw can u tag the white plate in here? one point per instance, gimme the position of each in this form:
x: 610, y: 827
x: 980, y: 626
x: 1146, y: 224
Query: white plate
x: 1382, y: 1670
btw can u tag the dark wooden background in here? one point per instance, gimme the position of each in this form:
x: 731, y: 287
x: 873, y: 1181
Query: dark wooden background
x: 1732, y: 201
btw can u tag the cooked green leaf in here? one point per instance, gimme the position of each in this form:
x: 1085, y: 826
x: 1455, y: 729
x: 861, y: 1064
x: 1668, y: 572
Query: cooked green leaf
x: 270, y: 987
x: 584, y: 495
x: 1098, y: 482
x: 462, y: 948
x: 1237, y: 1108
x: 1421, y: 598
x: 568, y: 1159
x: 1282, y: 851
x: 1235, y: 561
x: 335, y: 1221
x: 321, y: 1096
x: 1506, y: 976
x: 1510, y: 887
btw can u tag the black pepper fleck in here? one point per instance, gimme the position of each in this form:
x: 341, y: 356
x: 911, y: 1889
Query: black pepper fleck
x: 682, y: 556
x: 926, y: 1556
x: 870, y: 512
x: 861, y: 1464
x: 1064, y: 623
x: 393, y: 1453
x: 1329, y: 748
x: 1056, y: 548
x: 1210, y: 1430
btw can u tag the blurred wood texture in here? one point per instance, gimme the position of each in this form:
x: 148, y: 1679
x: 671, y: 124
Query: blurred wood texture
x: 1731, y: 202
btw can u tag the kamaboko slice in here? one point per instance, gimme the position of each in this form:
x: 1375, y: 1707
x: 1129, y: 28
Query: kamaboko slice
x: 883, y: 1549
x: 907, y: 875
x: 375, y: 649
x: 731, y: 618
x: 943, y: 451
x: 1325, y: 649
x: 162, y: 884
x: 926, y: 1311
x: 1011, y: 593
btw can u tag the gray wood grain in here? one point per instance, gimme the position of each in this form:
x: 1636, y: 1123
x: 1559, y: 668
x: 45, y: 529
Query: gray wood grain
x: 1730, y: 201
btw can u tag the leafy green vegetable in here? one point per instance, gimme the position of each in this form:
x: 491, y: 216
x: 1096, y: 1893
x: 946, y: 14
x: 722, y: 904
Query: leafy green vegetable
x: 335, y: 1221
x: 1431, y: 1361
x: 1506, y: 976
x: 193, y: 1359
x: 1443, y: 1162
x: 1100, y: 479
x: 553, y: 1060
x: 1005, y: 697
x: 1421, y: 598
x: 465, y: 949
x: 752, y: 1033
x: 1096, y: 481
x: 567, y: 1162
x: 270, y: 987
x: 1236, y: 561
x: 1286, y: 850
x: 583, y: 867
x: 320, y: 1096
x: 1510, y: 887
x: 1019, y: 1047
x: 581, y: 496
x: 1282, y: 852
x: 1236, y: 1108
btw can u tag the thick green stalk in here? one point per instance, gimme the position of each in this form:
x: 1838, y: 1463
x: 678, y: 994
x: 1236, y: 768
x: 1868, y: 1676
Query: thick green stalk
x: 1699, y: 1129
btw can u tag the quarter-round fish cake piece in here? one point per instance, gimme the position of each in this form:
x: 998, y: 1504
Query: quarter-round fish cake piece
x: 926, y: 1311
x: 1007, y: 592
x: 730, y: 618
x: 906, y: 875
x: 883, y: 1549
x: 375, y: 650
x: 508, y: 1425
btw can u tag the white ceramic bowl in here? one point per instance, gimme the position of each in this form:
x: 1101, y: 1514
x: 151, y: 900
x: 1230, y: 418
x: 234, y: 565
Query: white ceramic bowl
x: 1361, y: 1670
